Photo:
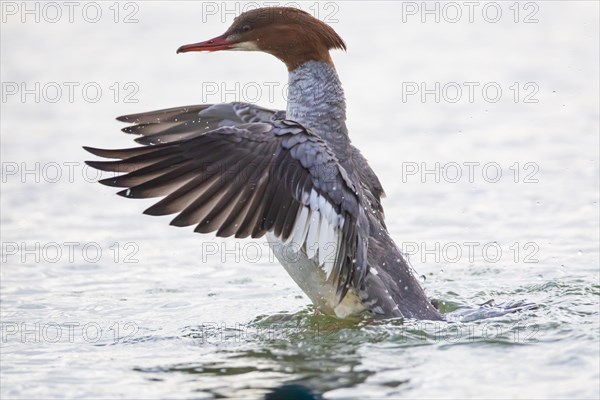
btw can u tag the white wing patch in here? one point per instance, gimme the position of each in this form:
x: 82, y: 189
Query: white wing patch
x: 317, y: 230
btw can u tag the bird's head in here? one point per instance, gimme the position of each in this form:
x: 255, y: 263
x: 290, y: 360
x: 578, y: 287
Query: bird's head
x: 290, y: 34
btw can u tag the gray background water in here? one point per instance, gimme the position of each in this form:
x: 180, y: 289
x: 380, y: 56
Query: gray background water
x: 162, y: 312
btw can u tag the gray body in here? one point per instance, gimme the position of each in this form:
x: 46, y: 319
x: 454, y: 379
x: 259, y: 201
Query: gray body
x: 316, y: 100
x: 293, y: 176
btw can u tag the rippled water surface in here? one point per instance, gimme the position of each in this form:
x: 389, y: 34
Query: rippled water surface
x: 100, y: 301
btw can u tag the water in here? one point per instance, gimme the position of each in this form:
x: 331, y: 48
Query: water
x: 115, y: 304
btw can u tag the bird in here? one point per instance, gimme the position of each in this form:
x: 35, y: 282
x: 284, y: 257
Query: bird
x: 240, y: 170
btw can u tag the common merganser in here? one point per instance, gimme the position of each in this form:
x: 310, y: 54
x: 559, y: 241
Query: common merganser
x: 246, y: 171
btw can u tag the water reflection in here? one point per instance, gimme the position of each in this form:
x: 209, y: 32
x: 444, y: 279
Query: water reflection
x: 310, y: 355
x: 276, y: 355
x: 292, y: 392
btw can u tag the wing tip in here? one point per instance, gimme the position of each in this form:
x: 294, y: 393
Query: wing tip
x: 93, y: 150
x: 123, y: 193
x: 99, y: 165
x: 106, y: 153
x: 158, y: 210
x: 130, y: 118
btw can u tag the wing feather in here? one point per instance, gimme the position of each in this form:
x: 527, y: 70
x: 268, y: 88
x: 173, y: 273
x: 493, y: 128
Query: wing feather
x: 257, y: 176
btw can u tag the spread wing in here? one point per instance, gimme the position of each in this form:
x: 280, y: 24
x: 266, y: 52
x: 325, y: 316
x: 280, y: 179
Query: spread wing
x: 178, y: 123
x: 245, y: 180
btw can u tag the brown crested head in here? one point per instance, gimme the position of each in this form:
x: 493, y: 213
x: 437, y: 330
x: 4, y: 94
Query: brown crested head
x: 290, y: 34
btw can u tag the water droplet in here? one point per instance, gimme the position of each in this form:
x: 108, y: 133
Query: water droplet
x: 579, y: 253
x: 423, y: 278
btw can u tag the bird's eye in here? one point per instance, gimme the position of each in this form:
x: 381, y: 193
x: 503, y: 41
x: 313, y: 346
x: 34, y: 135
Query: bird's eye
x: 246, y: 28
